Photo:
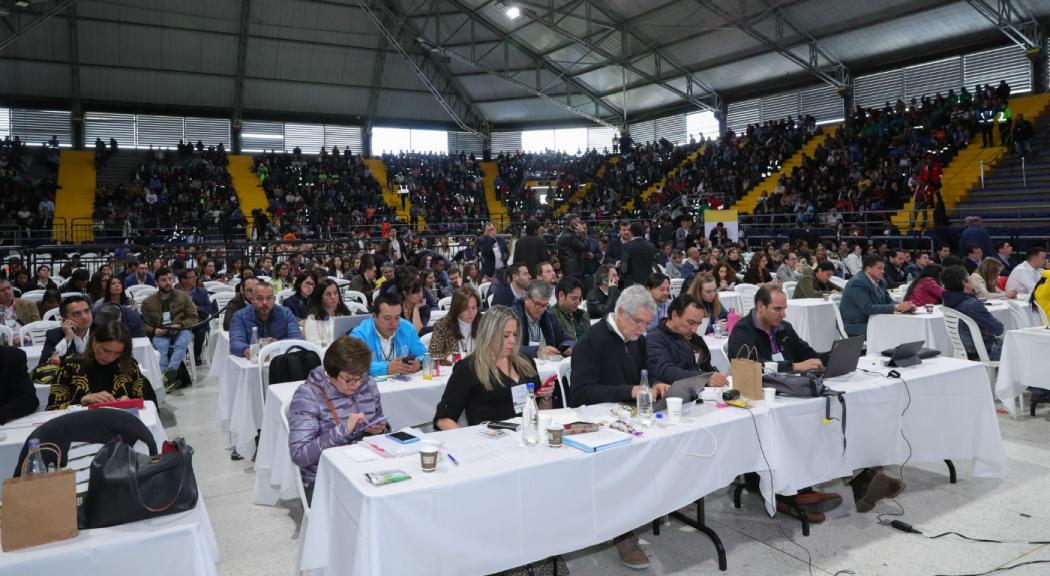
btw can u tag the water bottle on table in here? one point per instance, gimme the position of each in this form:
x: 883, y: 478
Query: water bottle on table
x: 35, y: 466
x: 644, y: 400
x: 530, y: 419
x: 256, y: 346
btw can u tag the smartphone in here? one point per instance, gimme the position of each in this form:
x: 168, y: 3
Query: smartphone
x: 409, y: 359
x: 379, y: 420
x: 503, y: 426
x: 403, y: 437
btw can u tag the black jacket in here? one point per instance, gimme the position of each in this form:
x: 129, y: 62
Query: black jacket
x: 895, y: 276
x: 553, y: 333
x: 795, y: 349
x: 599, y: 304
x: 531, y: 250
x: 638, y: 258
x: 672, y: 358
x: 502, y: 295
x: 605, y: 368
x: 51, y: 339
x: 571, y: 248
x: 488, y: 256
x: 17, y: 395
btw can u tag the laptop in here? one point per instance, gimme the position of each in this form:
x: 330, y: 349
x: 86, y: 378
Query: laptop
x: 342, y: 325
x: 688, y: 389
x: 909, y: 354
x: 843, y: 356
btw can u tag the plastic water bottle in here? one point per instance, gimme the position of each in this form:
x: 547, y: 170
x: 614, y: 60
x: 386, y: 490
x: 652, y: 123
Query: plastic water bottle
x: 530, y: 419
x: 717, y: 328
x: 428, y: 366
x: 36, y: 461
x: 255, y: 342
x: 644, y: 400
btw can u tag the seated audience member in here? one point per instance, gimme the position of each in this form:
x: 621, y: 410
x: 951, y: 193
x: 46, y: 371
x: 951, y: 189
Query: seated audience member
x: 243, y: 299
x: 725, y: 277
x: 15, y: 312
x: 758, y: 270
x: 607, y: 367
x: 573, y: 319
x: 1024, y: 276
x: 602, y: 298
x: 205, y: 307
x: 105, y: 372
x: 325, y: 304
x: 480, y: 385
x: 456, y: 332
x: 789, y: 270
x: 921, y: 260
x: 364, y: 281
x: 1004, y: 252
x: 865, y: 295
x: 17, y: 395
x: 273, y: 322
x: 659, y: 286
x: 513, y: 288
x: 959, y: 296
x: 545, y: 271
x: 705, y: 289
x: 167, y: 313
x: 1041, y: 294
x: 140, y: 275
x: 299, y: 302
x: 896, y: 269
x: 332, y: 407
x: 974, y: 255
x: 78, y: 282
x: 413, y: 303
x: 816, y: 282
x: 985, y: 280
x: 72, y: 336
x: 541, y: 334
x: 42, y: 280
x: 853, y: 264
x: 395, y: 347
x: 926, y: 288
x: 118, y: 307
x: 675, y: 350
x: 51, y: 299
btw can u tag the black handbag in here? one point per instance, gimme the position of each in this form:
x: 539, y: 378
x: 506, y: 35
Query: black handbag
x: 127, y: 486
x: 294, y: 365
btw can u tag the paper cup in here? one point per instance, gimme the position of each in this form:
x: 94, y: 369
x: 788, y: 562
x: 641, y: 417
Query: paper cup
x: 674, y: 410
x: 428, y: 457
x: 554, y: 435
x: 771, y: 367
x: 769, y: 395
x: 929, y: 308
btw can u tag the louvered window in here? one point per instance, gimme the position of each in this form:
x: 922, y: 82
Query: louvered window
x: 35, y: 127
x: 509, y: 142
x: 210, y: 131
x: 1007, y: 63
x: 743, y: 113
x: 262, y: 136
x: 672, y: 128
x: 874, y: 90
x: 105, y: 126
x: 159, y: 131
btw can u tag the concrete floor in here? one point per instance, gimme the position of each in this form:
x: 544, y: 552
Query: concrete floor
x: 261, y: 541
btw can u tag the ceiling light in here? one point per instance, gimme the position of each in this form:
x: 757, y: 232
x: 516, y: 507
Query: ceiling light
x: 513, y: 12
x: 22, y: 3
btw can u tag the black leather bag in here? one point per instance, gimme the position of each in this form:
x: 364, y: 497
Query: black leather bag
x: 294, y: 365
x: 126, y: 486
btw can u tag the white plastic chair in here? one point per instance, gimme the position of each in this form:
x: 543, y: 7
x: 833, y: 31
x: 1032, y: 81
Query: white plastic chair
x: 356, y: 307
x: 38, y: 330
x: 789, y: 288
x: 445, y: 303
x: 747, y: 298
x: 52, y: 314
x: 840, y: 282
x: 355, y: 296
x: 302, y: 496
x: 676, y: 286
x: 425, y: 339
x: 274, y: 350
x: 7, y: 336
x: 436, y: 315
x: 564, y: 374
x: 839, y: 324
x: 264, y: 279
x: 284, y: 294
x: 483, y: 289
x: 952, y: 318
x: 489, y: 299
x: 214, y: 286
x: 33, y: 295
x: 342, y: 283
x: 68, y: 294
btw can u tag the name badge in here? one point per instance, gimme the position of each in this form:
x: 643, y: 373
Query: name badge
x: 519, y: 394
x: 778, y: 357
x: 534, y: 343
x: 166, y: 319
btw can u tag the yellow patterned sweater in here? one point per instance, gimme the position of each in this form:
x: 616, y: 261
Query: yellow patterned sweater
x: 77, y: 378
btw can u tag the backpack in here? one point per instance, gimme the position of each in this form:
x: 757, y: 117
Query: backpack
x: 809, y: 386
x: 294, y: 365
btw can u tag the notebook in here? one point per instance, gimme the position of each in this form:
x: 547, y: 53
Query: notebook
x: 597, y: 441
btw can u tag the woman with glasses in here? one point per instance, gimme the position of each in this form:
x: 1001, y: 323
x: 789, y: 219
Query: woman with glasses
x: 333, y: 407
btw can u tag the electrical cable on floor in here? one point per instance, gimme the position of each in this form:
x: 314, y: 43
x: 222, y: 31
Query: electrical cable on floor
x: 1002, y: 569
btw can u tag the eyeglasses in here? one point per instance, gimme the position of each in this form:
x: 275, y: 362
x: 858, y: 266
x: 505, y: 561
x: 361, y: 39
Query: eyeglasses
x: 544, y: 305
x: 635, y: 319
x: 353, y: 378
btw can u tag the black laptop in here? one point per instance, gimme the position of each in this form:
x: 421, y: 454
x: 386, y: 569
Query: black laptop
x: 909, y: 354
x: 844, y: 356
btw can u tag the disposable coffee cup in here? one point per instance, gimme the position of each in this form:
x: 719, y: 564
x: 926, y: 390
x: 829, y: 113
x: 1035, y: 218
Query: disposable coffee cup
x: 554, y: 435
x: 428, y: 457
x: 826, y: 295
x: 674, y: 410
x: 929, y: 308
x: 771, y: 367
x: 768, y: 395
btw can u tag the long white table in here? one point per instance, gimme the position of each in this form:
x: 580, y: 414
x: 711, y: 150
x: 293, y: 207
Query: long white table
x: 180, y: 544
x: 886, y: 331
x: 358, y: 528
x: 406, y: 403
x: 1022, y: 365
x: 220, y: 352
x: 814, y: 320
x: 141, y: 349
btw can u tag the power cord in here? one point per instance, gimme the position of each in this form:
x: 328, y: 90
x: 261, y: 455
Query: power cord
x: 679, y: 449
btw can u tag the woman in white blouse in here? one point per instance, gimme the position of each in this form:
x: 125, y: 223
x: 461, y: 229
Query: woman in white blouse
x: 984, y: 281
x: 325, y: 303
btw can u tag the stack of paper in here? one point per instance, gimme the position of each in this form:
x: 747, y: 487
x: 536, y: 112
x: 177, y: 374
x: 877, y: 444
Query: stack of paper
x: 597, y: 441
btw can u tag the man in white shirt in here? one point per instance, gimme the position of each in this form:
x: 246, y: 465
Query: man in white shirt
x: 74, y: 332
x: 1027, y: 273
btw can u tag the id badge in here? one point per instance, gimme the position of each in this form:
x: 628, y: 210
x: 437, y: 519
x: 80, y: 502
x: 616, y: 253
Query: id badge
x: 166, y: 318
x: 778, y: 357
x: 519, y: 394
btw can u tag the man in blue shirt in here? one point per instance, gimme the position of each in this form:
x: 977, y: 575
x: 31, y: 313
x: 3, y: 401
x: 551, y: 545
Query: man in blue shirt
x: 396, y: 349
x: 205, y: 307
x: 274, y: 322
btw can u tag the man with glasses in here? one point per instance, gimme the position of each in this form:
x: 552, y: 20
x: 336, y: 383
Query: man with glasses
x: 659, y: 286
x: 675, y: 350
x: 789, y: 270
x: 602, y: 298
x: 540, y: 334
x: 607, y: 366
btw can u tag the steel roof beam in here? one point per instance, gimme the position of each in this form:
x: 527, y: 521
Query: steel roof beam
x: 43, y: 18
x: 1021, y: 29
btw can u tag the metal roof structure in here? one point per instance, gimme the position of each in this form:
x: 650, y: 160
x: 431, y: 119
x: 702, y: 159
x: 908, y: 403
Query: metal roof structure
x: 466, y: 64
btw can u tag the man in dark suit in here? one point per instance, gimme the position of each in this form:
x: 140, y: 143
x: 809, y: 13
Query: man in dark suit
x: 607, y: 366
x: 513, y: 288
x: 17, y: 395
x: 572, y: 247
x: 866, y: 295
x: 72, y: 336
x: 614, y: 251
x: 639, y: 255
x: 539, y: 332
x: 530, y: 249
x: 493, y: 252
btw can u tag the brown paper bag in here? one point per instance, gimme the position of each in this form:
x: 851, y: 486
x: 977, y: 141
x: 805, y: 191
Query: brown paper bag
x: 38, y: 509
x: 747, y: 377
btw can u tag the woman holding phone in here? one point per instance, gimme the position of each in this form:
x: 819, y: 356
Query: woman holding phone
x: 333, y: 407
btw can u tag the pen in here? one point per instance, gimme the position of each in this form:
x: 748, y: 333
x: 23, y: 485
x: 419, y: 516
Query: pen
x: 452, y: 458
x: 378, y: 449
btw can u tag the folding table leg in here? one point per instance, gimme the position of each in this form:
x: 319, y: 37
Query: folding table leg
x: 701, y: 526
x: 952, y: 477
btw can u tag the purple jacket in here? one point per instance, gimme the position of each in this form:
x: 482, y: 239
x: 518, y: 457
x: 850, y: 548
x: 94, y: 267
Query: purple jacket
x: 313, y: 429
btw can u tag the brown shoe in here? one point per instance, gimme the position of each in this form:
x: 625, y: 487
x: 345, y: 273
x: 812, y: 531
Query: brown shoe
x: 869, y: 487
x: 811, y: 517
x: 818, y: 501
x: 631, y: 554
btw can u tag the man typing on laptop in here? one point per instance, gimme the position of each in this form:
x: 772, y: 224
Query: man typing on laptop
x: 675, y: 350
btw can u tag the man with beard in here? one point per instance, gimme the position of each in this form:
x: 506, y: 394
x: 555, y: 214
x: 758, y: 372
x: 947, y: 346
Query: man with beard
x: 166, y: 314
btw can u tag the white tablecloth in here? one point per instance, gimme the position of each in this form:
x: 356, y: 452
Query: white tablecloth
x: 143, y: 351
x: 1022, y: 364
x: 888, y: 330
x: 16, y: 432
x: 814, y: 320
x: 180, y: 544
x: 718, y: 358
x: 219, y: 354
x: 405, y: 403
x: 360, y: 529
